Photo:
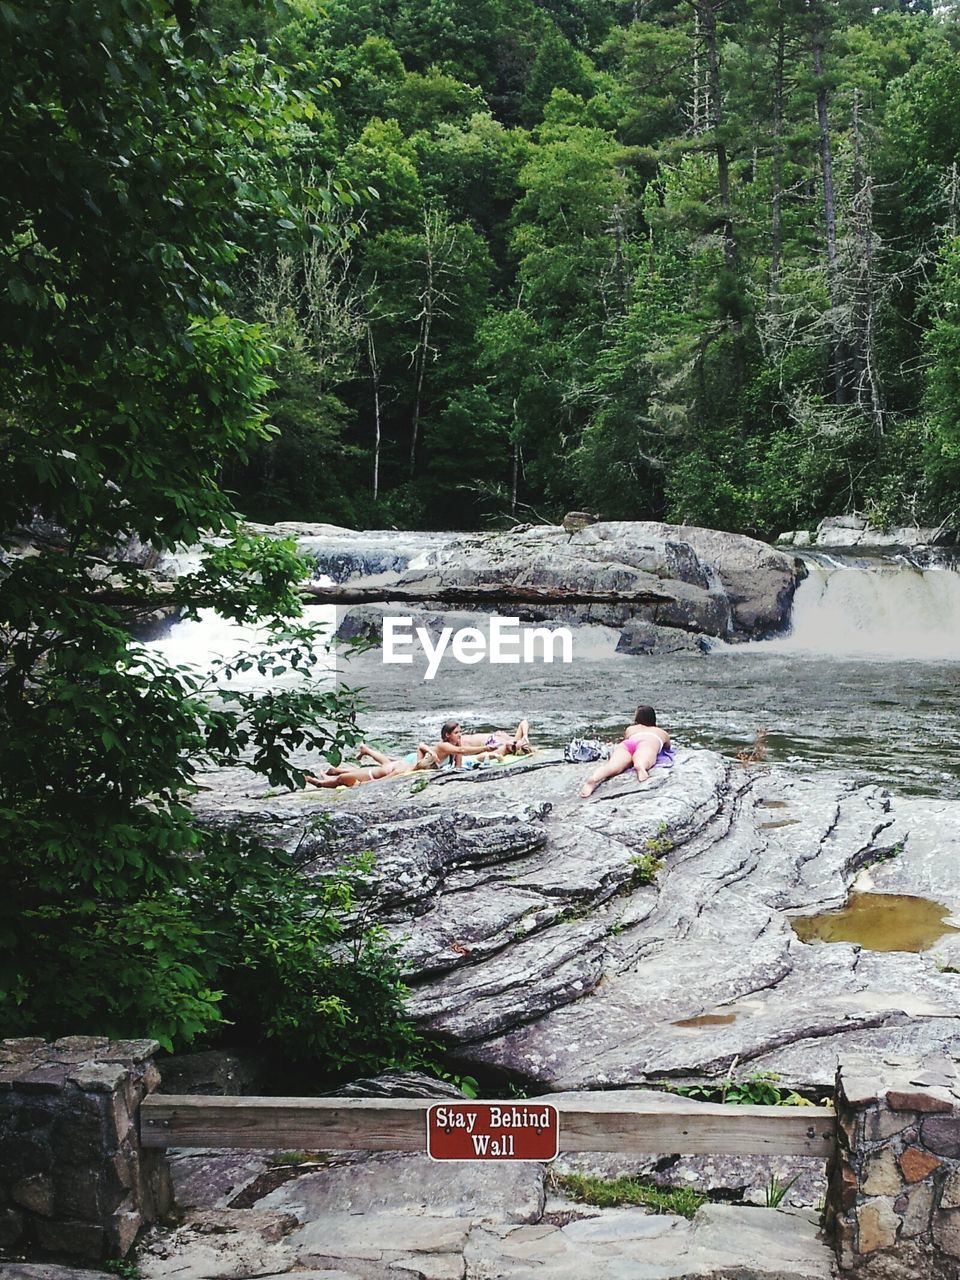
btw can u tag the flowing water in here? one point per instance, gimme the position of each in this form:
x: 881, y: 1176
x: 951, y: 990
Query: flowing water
x: 867, y: 683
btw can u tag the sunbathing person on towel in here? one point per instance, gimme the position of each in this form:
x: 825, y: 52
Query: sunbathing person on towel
x: 642, y: 743
x: 351, y: 775
x: 454, y: 744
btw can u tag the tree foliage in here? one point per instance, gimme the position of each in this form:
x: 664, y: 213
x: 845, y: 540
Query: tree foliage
x: 142, y: 168
x: 790, y: 170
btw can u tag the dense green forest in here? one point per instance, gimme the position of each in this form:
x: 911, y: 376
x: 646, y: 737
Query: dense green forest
x: 692, y: 260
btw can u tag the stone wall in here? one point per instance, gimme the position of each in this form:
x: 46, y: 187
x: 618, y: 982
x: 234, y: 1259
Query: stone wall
x: 894, y: 1198
x: 73, y: 1179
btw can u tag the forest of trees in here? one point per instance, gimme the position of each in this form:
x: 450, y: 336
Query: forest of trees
x: 693, y: 260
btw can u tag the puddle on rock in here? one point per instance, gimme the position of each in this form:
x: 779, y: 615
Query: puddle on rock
x: 879, y: 922
x: 774, y: 804
x: 782, y: 822
x: 707, y: 1020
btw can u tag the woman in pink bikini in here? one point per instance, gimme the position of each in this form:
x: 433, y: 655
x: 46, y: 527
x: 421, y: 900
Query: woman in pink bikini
x: 640, y: 747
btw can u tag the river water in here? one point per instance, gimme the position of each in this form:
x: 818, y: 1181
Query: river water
x: 867, y: 683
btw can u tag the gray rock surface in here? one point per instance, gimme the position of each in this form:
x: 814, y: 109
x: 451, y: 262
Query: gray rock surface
x: 392, y: 1216
x: 531, y: 946
x: 845, y: 533
x: 393, y: 1183
x: 722, y: 1241
x: 711, y: 583
x: 44, y: 1271
x: 211, y: 1071
x: 221, y: 1244
x: 400, y: 1084
x: 205, y: 1179
x: 639, y: 637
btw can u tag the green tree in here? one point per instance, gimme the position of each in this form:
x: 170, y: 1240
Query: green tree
x: 424, y: 101
x: 384, y: 163
x: 778, y: 174
x: 556, y: 66
x: 943, y: 380
x: 127, y: 385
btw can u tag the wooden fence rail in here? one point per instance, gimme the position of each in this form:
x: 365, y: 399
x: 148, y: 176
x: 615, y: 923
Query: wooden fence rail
x: 659, y: 1123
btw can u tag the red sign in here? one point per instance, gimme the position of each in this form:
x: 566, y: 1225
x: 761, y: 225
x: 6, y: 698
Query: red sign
x: 492, y: 1131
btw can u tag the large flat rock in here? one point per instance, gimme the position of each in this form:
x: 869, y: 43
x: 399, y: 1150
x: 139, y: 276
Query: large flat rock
x: 531, y: 947
x: 723, y: 1241
x: 698, y: 580
x: 394, y: 1183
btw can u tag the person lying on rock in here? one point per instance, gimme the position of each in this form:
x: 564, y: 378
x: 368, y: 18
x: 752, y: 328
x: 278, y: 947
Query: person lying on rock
x: 642, y: 743
x: 351, y: 775
x: 454, y: 744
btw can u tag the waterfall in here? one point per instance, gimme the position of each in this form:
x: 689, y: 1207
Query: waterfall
x: 201, y: 642
x: 880, y: 608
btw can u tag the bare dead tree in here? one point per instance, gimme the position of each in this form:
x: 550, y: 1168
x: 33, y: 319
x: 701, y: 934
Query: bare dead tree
x: 776, y: 203
x: 313, y: 294
x: 953, y: 198
x: 440, y: 259
x: 700, y: 92
x: 817, y: 45
x: 374, y: 366
x: 867, y: 387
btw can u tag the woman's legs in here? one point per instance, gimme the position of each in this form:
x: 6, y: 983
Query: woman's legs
x: 381, y: 757
x: 343, y: 776
x: 426, y: 759
x: 619, y: 762
x: 646, y: 752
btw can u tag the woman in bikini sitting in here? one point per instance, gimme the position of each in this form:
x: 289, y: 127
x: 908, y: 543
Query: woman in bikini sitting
x: 455, y: 744
x: 352, y: 775
x: 640, y: 747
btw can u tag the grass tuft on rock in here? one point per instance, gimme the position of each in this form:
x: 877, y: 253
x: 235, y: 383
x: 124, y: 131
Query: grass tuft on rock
x: 611, y: 1193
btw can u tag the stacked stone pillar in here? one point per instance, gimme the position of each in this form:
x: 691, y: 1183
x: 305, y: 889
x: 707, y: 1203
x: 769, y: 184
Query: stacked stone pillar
x: 73, y: 1179
x: 894, y: 1198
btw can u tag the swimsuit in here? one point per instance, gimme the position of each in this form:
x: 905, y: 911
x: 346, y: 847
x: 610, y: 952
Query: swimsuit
x: 631, y: 744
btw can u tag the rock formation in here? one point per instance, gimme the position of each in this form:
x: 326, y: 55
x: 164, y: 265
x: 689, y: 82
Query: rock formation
x: 534, y: 948
x: 672, y: 579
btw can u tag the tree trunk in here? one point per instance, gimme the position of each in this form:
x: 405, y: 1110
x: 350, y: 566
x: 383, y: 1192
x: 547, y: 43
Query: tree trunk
x: 375, y: 378
x: 619, y: 259
x: 699, y: 111
x: 421, y: 364
x: 516, y: 462
x: 776, y: 209
x: 731, y: 258
x: 838, y: 355
x: 440, y: 243
x: 869, y: 392
x: 708, y: 28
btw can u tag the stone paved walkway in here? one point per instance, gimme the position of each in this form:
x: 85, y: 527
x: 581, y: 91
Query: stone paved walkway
x: 404, y: 1217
